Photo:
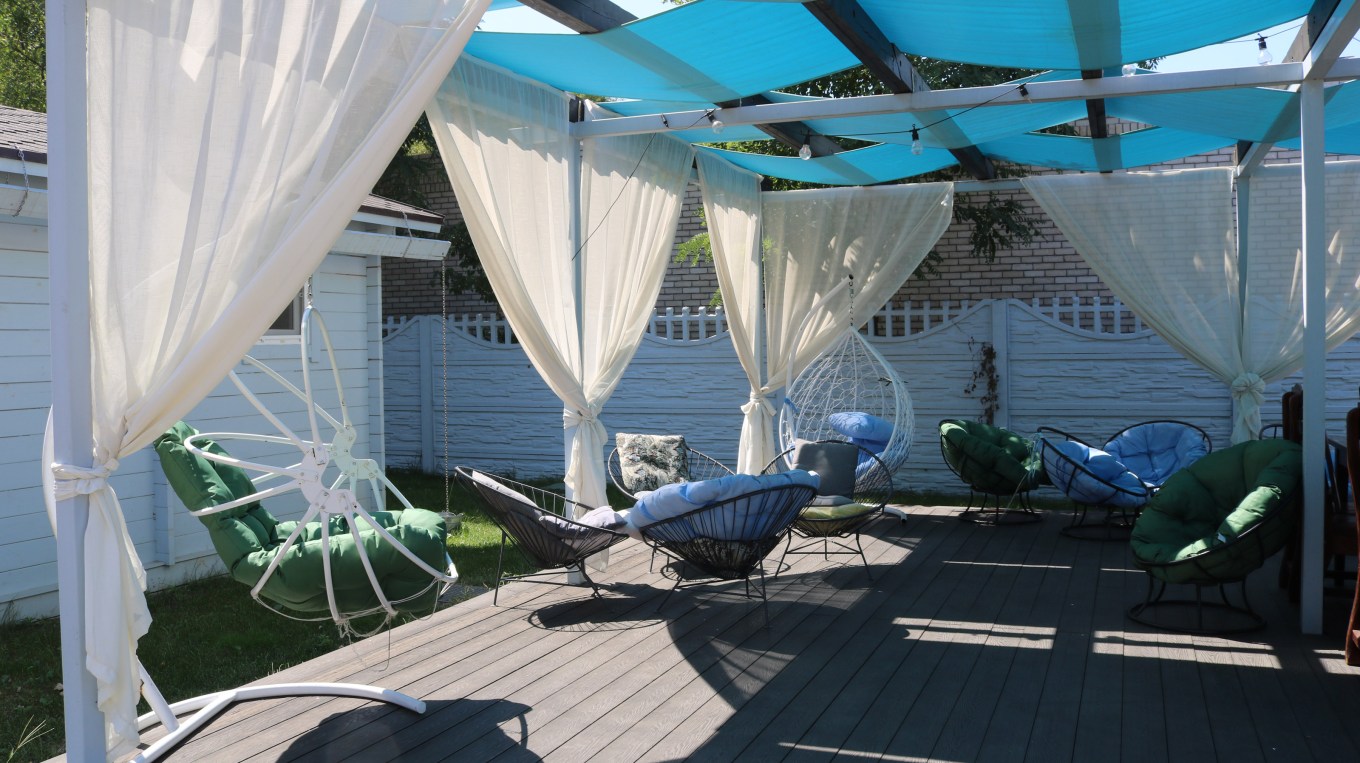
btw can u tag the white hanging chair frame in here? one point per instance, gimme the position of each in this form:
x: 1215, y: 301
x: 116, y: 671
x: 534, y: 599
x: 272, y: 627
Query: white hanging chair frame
x: 881, y: 394
x: 338, y: 498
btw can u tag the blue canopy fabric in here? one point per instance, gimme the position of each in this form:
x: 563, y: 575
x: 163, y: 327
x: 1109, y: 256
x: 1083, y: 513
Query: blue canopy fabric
x: 707, y: 52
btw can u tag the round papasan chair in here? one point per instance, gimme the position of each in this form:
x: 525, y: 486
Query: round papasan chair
x: 1212, y: 524
x: 992, y: 461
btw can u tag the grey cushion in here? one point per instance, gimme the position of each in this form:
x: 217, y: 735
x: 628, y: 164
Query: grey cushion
x: 834, y: 462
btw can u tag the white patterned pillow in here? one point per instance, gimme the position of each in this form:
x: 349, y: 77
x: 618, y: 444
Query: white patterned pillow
x: 648, y: 461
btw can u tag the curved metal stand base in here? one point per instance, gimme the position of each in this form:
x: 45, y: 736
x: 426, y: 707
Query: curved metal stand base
x: 209, y: 706
x: 1231, y: 619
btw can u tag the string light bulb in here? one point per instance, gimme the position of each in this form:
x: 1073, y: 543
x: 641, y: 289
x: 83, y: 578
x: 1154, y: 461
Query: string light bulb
x: 1129, y: 70
x: 805, y: 152
x: 1024, y: 93
x: 1263, y: 55
x: 916, y: 147
x: 714, y: 122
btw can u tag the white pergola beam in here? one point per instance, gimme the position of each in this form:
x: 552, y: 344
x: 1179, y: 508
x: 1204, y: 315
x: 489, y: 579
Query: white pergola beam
x: 1336, y: 34
x: 1314, y: 352
x: 1272, y: 75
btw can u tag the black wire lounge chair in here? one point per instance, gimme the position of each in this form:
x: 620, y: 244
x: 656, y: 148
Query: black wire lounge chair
x: 854, y: 487
x: 992, y: 461
x: 1212, y: 524
x: 538, y: 522
x: 1092, y: 479
x: 728, y: 539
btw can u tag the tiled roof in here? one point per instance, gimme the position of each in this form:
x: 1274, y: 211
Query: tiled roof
x: 23, y: 136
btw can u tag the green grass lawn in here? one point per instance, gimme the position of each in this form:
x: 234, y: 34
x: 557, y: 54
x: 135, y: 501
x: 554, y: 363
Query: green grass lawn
x: 210, y: 635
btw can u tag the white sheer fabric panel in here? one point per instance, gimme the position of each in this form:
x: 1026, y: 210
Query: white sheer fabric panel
x: 818, y: 239
x: 732, y: 211
x: 506, y: 145
x: 229, y: 143
x: 1273, y: 333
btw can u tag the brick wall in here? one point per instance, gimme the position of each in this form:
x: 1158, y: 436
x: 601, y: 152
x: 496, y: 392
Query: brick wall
x: 1047, y: 267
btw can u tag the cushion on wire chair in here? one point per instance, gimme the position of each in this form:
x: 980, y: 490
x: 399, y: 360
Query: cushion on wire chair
x: 1092, y: 477
x: 864, y: 429
x: 1158, y: 449
x: 674, y: 500
x: 649, y: 461
x: 834, y: 463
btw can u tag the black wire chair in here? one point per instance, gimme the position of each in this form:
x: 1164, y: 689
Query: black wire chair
x: 1120, y: 499
x: 1150, y: 469
x: 992, y: 461
x: 1223, y: 557
x: 831, y: 526
x: 538, y: 522
x: 729, y: 539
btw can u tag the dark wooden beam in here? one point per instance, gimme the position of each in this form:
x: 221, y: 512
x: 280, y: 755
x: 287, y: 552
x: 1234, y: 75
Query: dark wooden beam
x: 583, y: 16
x: 1317, y: 18
x: 1095, y: 108
x: 861, y: 36
x: 592, y: 16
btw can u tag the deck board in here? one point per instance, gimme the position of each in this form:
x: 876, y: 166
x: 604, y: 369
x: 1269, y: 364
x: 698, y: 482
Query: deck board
x: 971, y: 643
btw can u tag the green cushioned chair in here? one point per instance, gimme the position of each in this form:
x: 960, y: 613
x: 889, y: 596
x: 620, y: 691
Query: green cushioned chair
x: 249, y: 540
x: 992, y: 461
x: 1213, y: 523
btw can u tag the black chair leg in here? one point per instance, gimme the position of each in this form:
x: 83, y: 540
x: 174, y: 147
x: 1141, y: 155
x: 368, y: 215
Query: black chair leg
x: 867, y: 570
x: 500, y: 559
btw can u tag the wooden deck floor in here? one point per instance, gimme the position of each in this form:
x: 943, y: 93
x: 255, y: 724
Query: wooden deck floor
x: 973, y: 643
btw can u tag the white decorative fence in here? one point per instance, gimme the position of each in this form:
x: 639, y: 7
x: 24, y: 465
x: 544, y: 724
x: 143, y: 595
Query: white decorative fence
x: 1086, y: 367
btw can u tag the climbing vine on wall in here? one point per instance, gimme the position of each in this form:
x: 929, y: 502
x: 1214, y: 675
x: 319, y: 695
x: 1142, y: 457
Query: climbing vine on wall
x: 984, y: 382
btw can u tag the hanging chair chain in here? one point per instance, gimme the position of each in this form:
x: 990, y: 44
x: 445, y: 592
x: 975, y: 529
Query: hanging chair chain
x: 851, y: 290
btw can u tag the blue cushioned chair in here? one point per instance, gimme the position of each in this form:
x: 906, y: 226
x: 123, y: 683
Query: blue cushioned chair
x: 1092, y: 479
x: 1154, y: 450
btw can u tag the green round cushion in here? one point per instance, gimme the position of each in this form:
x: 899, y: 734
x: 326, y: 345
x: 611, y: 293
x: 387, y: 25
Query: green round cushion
x: 247, y: 539
x: 1188, y: 532
x: 990, y: 459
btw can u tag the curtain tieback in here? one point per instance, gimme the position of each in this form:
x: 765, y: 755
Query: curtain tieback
x: 1249, y: 385
x: 81, y: 480
x: 760, y: 400
x: 572, y: 418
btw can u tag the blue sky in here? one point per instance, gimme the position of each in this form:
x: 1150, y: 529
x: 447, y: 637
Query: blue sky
x: 1224, y: 55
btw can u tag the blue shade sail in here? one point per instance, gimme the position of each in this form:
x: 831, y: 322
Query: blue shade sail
x: 1070, y: 34
x: 863, y: 166
x: 1136, y: 149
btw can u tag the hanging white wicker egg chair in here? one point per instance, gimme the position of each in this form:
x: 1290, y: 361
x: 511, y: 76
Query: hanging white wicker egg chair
x: 850, y: 392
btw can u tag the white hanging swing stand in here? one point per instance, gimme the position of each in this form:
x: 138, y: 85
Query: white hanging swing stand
x: 337, y: 498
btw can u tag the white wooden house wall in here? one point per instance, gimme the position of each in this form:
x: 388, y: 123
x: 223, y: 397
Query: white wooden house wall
x: 1054, y: 368
x: 173, y: 545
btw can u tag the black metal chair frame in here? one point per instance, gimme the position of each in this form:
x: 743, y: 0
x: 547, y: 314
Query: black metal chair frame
x: 540, y: 546
x: 1157, y: 588
x: 1118, y: 520
x: 1017, y: 511
x: 873, y: 490
x: 721, y: 559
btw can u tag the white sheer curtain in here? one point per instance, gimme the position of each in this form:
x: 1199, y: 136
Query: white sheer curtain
x: 732, y: 211
x: 1273, y: 320
x: 813, y: 242
x: 509, y: 155
x: 228, y: 143
x: 1165, y: 244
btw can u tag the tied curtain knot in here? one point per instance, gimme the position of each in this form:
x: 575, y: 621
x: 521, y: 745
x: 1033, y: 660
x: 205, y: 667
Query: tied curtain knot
x: 1248, y: 387
x: 79, y: 480
x: 758, y: 401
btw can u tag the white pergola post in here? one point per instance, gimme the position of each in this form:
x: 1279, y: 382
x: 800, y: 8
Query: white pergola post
x: 68, y: 278
x: 1314, y: 351
x: 574, y: 576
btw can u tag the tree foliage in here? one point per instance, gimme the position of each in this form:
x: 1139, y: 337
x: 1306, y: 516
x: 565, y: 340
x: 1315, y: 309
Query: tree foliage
x: 23, y: 55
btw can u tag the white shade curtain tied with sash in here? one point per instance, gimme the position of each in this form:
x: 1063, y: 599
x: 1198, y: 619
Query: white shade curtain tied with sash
x: 229, y: 142
x: 576, y: 291
x: 1166, y: 244
x: 842, y: 251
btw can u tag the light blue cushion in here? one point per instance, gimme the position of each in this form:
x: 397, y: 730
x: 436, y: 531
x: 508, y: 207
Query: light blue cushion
x: 1092, y: 477
x: 862, y: 428
x: 1156, y: 450
x: 673, y: 500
